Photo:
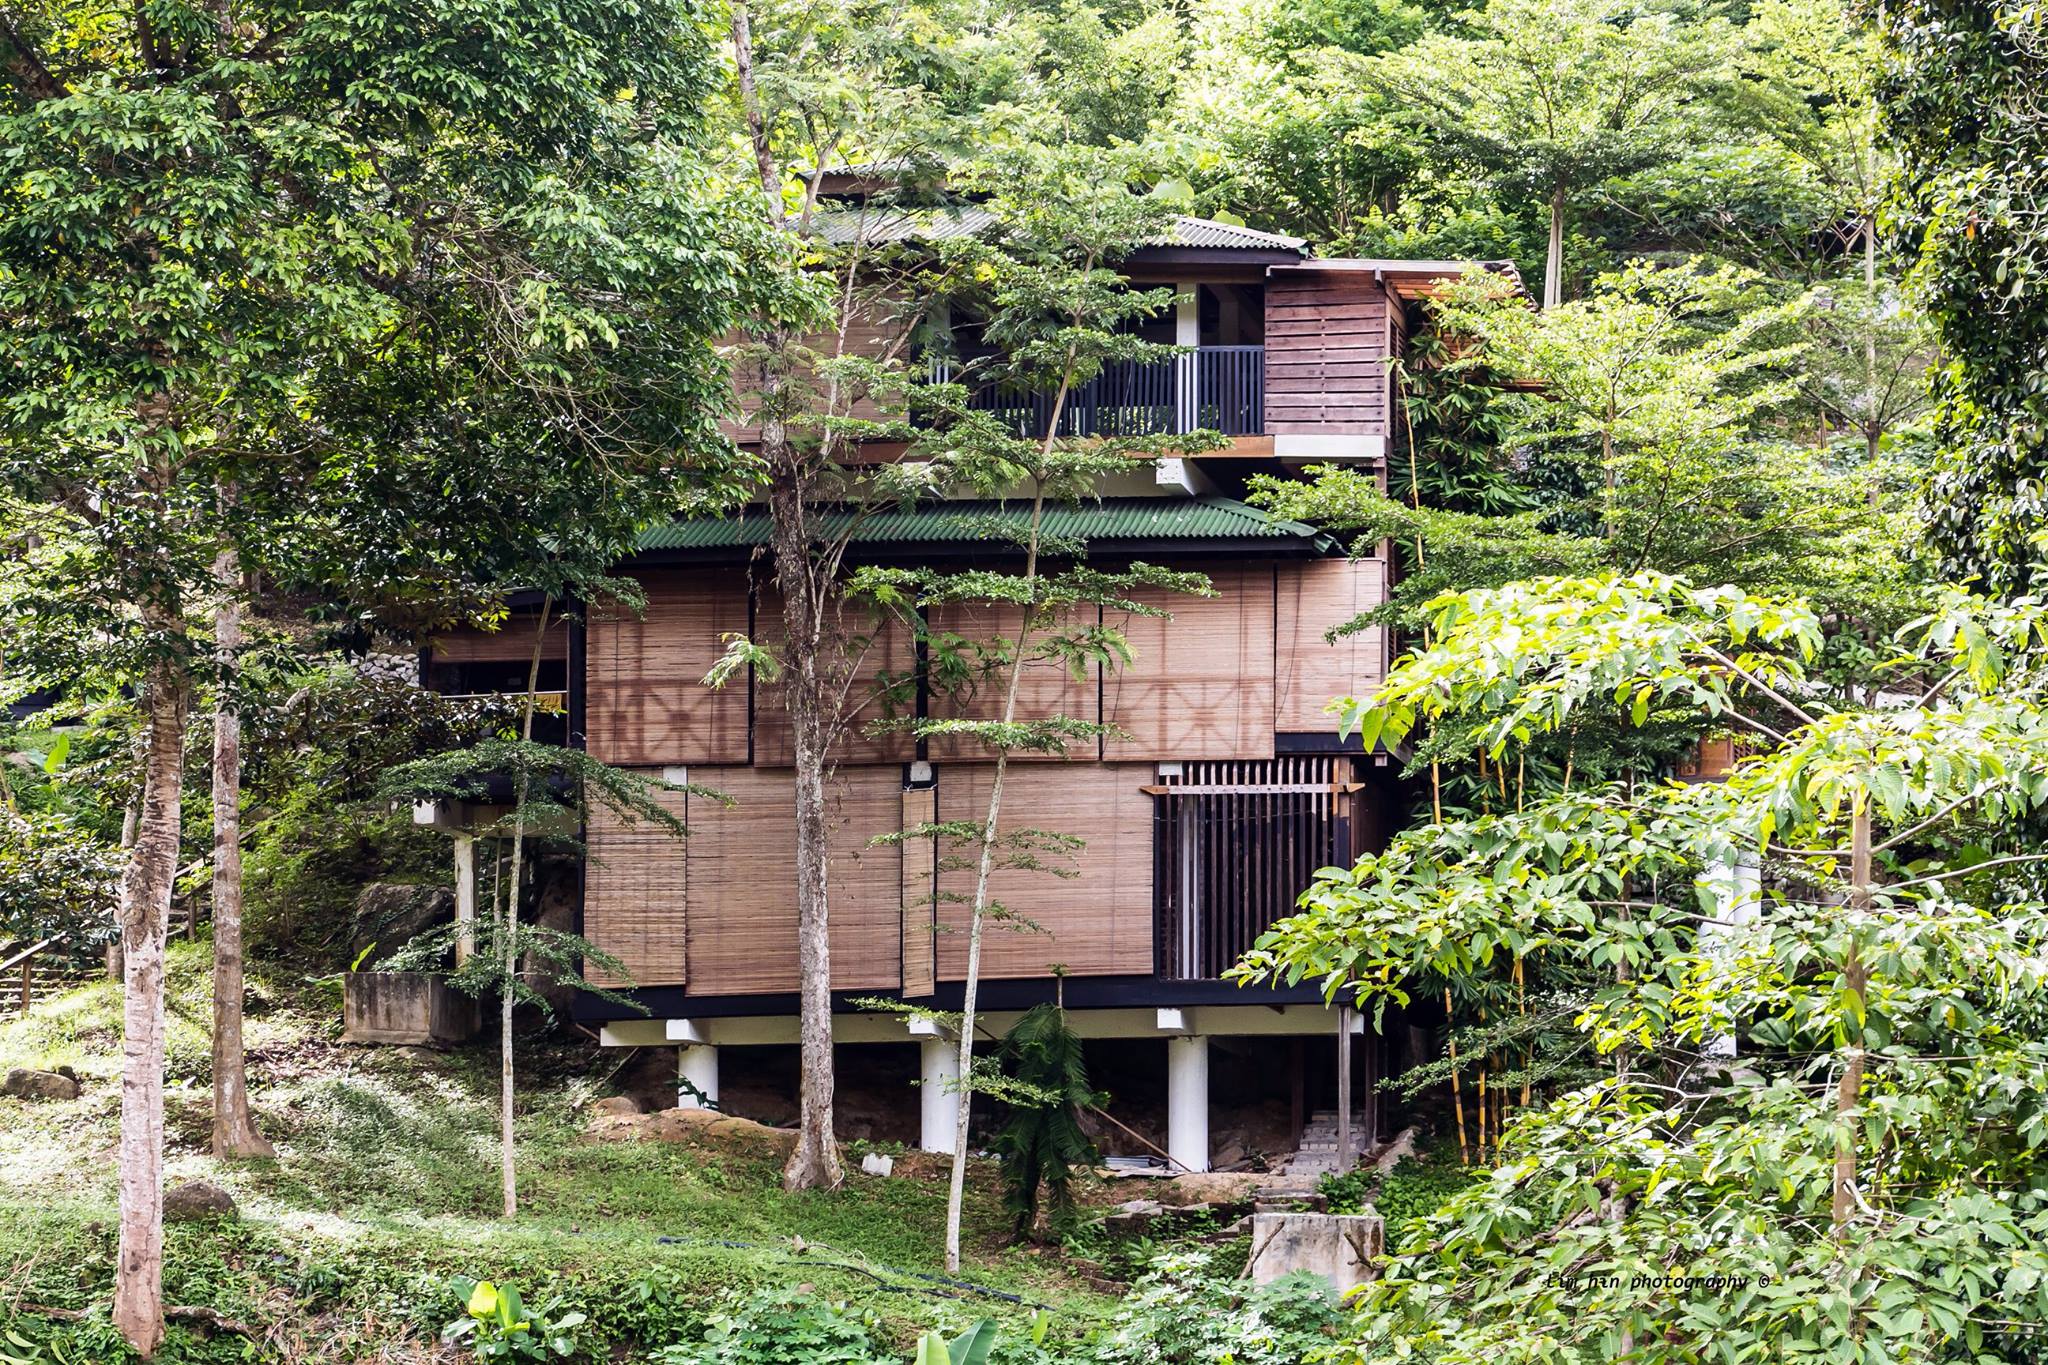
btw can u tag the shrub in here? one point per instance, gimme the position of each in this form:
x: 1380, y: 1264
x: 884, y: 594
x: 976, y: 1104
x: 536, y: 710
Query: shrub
x: 779, y: 1327
x: 1188, y: 1311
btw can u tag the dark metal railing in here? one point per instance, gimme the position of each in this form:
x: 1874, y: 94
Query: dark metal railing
x: 1210, y: 388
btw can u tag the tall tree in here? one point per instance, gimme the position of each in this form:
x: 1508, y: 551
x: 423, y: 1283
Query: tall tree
x: 218, y: 229
x: 1549, y: 98
x: 234, y: 1130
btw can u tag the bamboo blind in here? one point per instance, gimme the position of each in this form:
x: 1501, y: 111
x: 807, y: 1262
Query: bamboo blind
x: 634, y: 896
x: 511, y: 643
x: 879, y: 648
x: 1098, y: 923
x: 742, y: 876
x: 920, y: 910
x: 646, y: 702
x: 1046, y: 689
x: 1200, y: 684
x: 1308, y: 669
x: 871, y: 331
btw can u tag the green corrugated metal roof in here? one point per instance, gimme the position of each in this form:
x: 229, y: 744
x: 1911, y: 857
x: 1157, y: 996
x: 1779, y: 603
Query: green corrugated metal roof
x: 1108, y: 521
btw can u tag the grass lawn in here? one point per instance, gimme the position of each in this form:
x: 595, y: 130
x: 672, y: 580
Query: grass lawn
x: 385, y: 1186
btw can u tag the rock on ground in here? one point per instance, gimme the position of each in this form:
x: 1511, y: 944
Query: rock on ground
x: 194, y: 1200
x: 1211, y: 1187
x: 40, y: 1085
x: 616, y: 1104
x: 688, y: 1126
x: 1401, y: 1149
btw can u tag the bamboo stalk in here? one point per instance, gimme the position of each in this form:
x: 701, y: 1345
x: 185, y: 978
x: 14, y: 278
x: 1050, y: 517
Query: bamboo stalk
x: 1457, y: 1091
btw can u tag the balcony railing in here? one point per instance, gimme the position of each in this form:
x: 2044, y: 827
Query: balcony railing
x: 1210, y: 388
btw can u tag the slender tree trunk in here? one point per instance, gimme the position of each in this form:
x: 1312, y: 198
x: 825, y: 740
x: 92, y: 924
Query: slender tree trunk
x: 234, y: 1131
x: 814, y: 1164
x: 1553, y: 261
x: 131, y: 823
x: 145, y: 918
x: 1856, y: 976
x: 1873, y: 419
x: 508, y: 946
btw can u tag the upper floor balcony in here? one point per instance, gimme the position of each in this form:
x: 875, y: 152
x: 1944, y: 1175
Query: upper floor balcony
x: 1207, y: 388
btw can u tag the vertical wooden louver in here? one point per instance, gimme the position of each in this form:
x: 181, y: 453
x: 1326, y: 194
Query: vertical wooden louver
x: 1234, y: 845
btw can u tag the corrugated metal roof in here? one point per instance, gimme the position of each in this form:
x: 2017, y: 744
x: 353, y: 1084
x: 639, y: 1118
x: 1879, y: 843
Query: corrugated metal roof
x: 1107, y: 522
x: 879, y: 225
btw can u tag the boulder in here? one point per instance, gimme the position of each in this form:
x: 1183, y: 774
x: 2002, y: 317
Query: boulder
x: 41, y: 1085
x: 1397, y: 1151
x: 688, y: 1126
x: 1211, y: 1187
x: 194, y: 1201
x: 615, y: 1104
x: 1133, y: 1218
x: 389, y: 914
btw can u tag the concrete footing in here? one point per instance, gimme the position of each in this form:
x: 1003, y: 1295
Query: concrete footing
x: 1343, y: 1248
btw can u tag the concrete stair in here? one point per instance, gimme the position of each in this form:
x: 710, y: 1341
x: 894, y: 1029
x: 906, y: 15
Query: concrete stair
x: 1317, y: 1155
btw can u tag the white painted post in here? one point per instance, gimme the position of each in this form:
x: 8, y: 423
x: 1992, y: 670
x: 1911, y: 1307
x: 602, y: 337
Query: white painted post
x: 1187, y: 331
x: 1187, y: 1102
x: 1738, y: 894
x: 939, y: 1094
x: 696, y: 1076
x: 465, y: 897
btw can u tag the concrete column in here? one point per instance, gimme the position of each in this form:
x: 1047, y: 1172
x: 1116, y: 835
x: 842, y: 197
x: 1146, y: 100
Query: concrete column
x: 1737, y: 887
x: 1187, y: 331
x: 939, y: 1095
x: 1187, y: 1102
x: 696, y: 1076
x: 465, y: 897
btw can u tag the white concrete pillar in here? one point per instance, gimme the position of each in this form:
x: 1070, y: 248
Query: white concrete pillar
x: 1737, y: 888
x: 1187, y: 1102
x: 939, y: 1094
x: 465, y: 897
x: 1187, y: 331
x: 696, y: 1076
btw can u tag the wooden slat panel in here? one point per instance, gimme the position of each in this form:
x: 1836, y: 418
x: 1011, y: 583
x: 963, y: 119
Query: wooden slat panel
x: 634, y: 896
x: 920, y: 906
x: 1308, y: 670
x: 1045, y: 690
x: 1322, y: 333
x: 646, y: 703
x: 511, y: 643
x: 1199, y: 685
x: 1098, y: 923
x: 880, y: 648
x: 743, y: 882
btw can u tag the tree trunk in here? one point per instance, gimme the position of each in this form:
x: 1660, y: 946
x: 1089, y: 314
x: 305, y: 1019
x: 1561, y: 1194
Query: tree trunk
x: 1856, y: 977
x: 234, y: 1131
x: 815, y: 1162
x: 508, y: 947
x: 1873, y: 419
x: 1553, y: 261
x: 145, y: 917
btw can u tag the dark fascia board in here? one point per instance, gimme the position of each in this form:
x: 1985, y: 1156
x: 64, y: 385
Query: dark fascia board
x: 1152, y: 257
x: 1083, y: 992
x: 1250, y: 547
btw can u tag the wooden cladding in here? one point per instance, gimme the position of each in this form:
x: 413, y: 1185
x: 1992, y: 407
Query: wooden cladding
x: 877, y: 651
x: 1096, y: 923
x: 646, y: 703
x: 1047, y: 688
x: 1328, y: 339
x: 1236, y: 843
x: 874, y: 331
x: 1199, y: 684
x: 1308, y: 669
x: 635, y: 882
x: 510, y: 643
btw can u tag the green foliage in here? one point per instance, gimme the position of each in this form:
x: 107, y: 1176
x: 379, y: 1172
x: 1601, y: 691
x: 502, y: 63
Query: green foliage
x: 55, y: 878
x: 1191, y: 1309
x: 497, y: 1324
x: 783, y: 1328
x: 1041, y: 1144
x: 1404, y: 1197
x: 971, y: 1347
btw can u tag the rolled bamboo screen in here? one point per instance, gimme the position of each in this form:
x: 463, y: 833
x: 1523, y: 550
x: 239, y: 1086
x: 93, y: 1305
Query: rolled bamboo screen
x: 1098, y: 923
x: 1199, y: 685
x: 920, y: 909
x: 742, y: 864
x: 510, y: 643
x: 881, y: 649
x: 634, y: 896
x: 1046, y: 689
x: 1309, y: 670
x: 646, y: 703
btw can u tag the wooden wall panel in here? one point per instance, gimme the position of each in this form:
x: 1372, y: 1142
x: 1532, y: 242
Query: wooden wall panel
x: 1098, y: 923
x: 1199, y: 684
x: 920, y: 906
x: 1047, y: 689
x: 883, y: 648
x: 871, y: 333
x: 510, y: 643
x: 635, y: 896
x: 1308, y: 669
x: 1327, y: 339
x: 645, y: 700
x: 742, y: 878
